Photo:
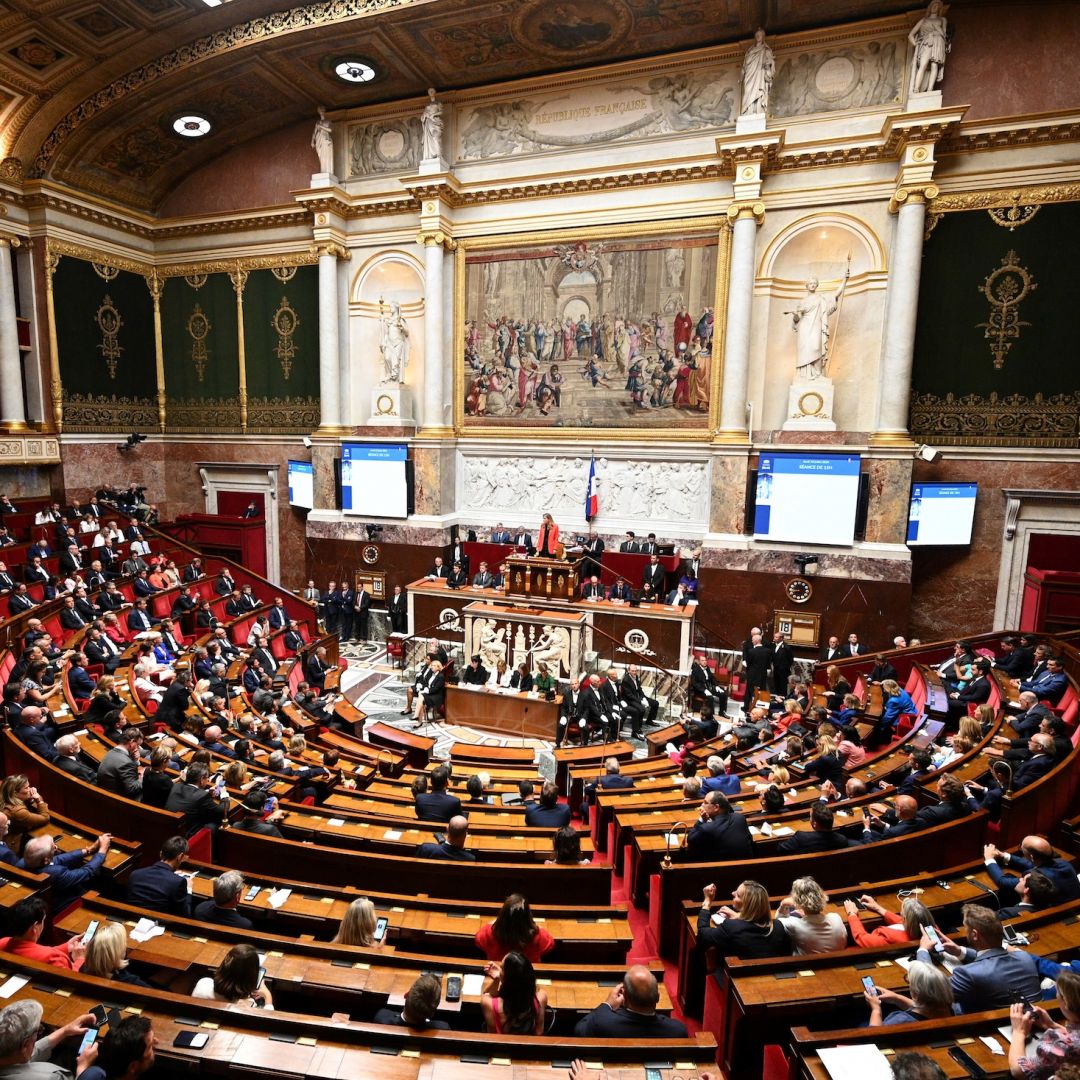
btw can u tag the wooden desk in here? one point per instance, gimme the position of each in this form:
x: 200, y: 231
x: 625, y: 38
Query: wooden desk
x: 502, y: 712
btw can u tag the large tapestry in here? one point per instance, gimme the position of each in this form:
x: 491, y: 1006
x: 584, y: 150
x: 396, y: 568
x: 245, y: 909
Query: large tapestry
x: 596, y: 332
x: 995, y: 347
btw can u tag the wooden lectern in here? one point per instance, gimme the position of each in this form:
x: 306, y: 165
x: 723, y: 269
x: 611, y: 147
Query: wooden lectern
x: 542, y: 579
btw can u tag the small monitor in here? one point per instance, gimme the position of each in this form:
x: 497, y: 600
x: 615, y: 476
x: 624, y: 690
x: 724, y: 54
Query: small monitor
x: 941, y: 514
x: 302, y: 484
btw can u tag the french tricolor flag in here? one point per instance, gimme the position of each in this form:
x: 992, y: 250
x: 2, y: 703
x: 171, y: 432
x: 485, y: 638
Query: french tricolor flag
x: 592, y: 500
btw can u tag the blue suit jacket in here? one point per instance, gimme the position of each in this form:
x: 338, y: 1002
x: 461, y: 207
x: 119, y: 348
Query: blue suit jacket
x: 82, y: 686
x: 991, y: 979
x: 1059, y: 872
x: 1049, y: 686
x: 70, y: 877
x: 554, y: 817
x: 726, y: 785
x: 37, y: 740
x: 159, y: 887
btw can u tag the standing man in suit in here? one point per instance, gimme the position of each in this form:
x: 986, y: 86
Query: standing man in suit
x: 853, y: 646
x: 782, y: 659
x: 348, y: 611
x: 457, y: 555
x: 758, y: 659
x: 630, y: 544
x: 655, y: 576
x: 331, y: 603
x: 399, y: 611
x: 594, y: 548
x: 278, y: 616
x: 522, y: 539
x: 649, y: 546
x: 500, y: 534
x: 317, y: 667
x: 361, y: 607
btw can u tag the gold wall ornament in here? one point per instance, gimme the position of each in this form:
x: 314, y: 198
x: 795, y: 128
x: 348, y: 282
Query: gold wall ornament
x: 105, y: 272
x: 1006, y: 288
x: 198, y: 326
x: 283, y: 273
x: 107, y: 412
x: 196, y: 281
x: 1009, y: 420
x: 285, y: 321
x: 109, y: 323
x: 1012, y: 217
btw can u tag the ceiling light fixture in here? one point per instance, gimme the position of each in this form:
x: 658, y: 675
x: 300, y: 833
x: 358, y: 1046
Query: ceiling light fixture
x: 354, y: 71
x: 192, y: 126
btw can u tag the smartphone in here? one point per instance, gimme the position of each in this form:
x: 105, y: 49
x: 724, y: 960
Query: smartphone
x: 381, y: 923
x: 262, y: 975
x: 935, y: 938
x: 88, y: 1040
x: 858, y: 903
x: 191, y: 1040
x: 868, y: 985
x: 453, y: 988
x: 653, y: 1074
x: 1010, y: 933
x: 100, y: 1016
x: 90, y: 931
x: 964, y: 1059
x: 251, y: 894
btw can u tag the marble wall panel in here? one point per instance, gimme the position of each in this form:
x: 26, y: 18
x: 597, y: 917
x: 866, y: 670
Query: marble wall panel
x: 890, y: 492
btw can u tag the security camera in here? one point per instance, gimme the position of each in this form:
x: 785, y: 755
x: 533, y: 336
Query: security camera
x: 930, y: 454
x: 132, y: 441
x: 307, y: 442
x: 805, y: 560
x: 373, y: 531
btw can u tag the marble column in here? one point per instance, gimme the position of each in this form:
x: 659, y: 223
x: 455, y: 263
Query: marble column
x: 737, y: 335
x: 12, y: 409
x: 329, y: 342
x: 901, y: 310
x: 434, y: 357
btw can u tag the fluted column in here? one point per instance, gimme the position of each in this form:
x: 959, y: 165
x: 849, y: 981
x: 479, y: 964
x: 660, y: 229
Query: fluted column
x: 746, y: 217
x: 329, y: 342
x: 901, y: 312
x: 434, y: 315
x: 12, y: 408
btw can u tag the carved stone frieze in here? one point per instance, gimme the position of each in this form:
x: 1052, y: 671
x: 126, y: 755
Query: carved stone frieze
x: 29, y: 450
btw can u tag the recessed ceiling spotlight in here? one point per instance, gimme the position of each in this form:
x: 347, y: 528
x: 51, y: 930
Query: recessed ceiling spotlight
x: 354, y: 71
x: 213, y: 3
x: 191, y: 126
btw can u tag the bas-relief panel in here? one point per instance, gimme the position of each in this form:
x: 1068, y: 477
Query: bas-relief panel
x: 633, y: 492
x: 600, y: 113
x: 605, y: 333
x: 384, y: 146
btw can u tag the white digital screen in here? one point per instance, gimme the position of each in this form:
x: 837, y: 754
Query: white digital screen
x: 807, y: 498
x: 941, y: 514
x: 302, y: 484
x: 374, y: 480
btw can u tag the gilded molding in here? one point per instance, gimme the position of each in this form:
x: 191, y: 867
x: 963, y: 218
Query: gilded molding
x: 108, y: 412
x: 437, y: 238
x: 913, y: 193
x: 739, y: 210
x: 998, y: 198
x: 29, y: 449
x: 329, y: 247
x: 997, y: 420
x: 11, y: 169
x: 56, y: 248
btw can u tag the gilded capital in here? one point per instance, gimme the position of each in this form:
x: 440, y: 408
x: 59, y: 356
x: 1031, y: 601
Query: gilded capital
x: 913, y: 193
x: 330, y: 247
x: 738, y: 210
x: 10, y: 241
x: 436, y: 237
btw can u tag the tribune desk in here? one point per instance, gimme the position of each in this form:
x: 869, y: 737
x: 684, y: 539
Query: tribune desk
x: 661, y: 633
x: 503, y: 711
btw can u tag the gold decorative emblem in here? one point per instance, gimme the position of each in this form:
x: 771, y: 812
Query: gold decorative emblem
x: 109, y: 323
x: 384, y: 405
x: 283, y: 273
x: 1006, y: 288
x: 198, y: 326
x: 370, y: 554
x: 799, y: 590
x: 196, y: 281
x: 1012, y: 216
x: 285, y: 322
x: 105, y: 272
x: 811, y: 403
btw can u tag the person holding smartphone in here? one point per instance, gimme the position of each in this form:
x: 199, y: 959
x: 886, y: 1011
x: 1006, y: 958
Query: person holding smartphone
x: 931, y: 997
x: 239, y: 981
x: 1060, y: 1043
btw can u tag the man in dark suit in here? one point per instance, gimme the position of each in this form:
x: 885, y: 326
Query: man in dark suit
x: 905, y: 807
x: 277, y: 615
x: 79, y: 681
x: 101, y: 650
x: 548, y: 813
x: 853, y: 647
x: 621, y: 591
x: 457, y: 578
x: 194, y: 800
x: 222, y: 909
x: 439, y: 571
x: 1049, y: 685
x: 453, y: 847
x: 975, y: 692
x: 133, y: 531
x: 70, y: 619
x: 95, y: 577
x: 630, y: 544
x: 316, y: 667
x: 820, y: 837
x: 649, y: 546
x: 437, y: 804
x: 110, y: 598
x: 30, y: 730
x: 636, y: 704
x: 1036, y: 854
x: 68, y: 751
x: 987, y: 976
x: 594, y: 548
x: 1013, y: 660
x: 35, y: 572
x: 7, y: 582
x: 19, y: 601
x: 483, y: 578
x: 138, y: 620
x: 361, y: 607
x: 758, y: 658
x: 592, y: 589
x: 253, y: 820
x: 193, y: 571
x: 1029, y: 720
x: 782, y: 659
x: 500, y: 534
x: 522, y: 539
x: 399, y: 611
x: 70, y: 560
x: 568, y: 710
x: 294, y: 640
x: 224, y: 584
x: 630, y: 1012
x: 38, y: 550
x: 720, y: 832
x: 610, y: 704
x: 1039, y: 764
x: 159, y: 887
x: 702, y: 680
x: 457, y: 555
x: 654, y: 575
x: 84, y: 607
x: 612, y: 780
x: 1034, y: 892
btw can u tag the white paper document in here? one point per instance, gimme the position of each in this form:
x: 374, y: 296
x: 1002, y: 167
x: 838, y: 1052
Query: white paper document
x: 862, y: 1062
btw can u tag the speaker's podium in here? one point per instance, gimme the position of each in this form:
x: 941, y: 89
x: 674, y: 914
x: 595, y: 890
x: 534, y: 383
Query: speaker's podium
x: 540, y: 578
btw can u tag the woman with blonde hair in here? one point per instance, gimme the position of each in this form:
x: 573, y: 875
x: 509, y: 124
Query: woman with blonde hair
x: 838, y: 687
x: 810, y: 927
x: 746, y: 928
x: 779, y: 776
x: 26, y: 810
x: 971, y: 729
x: 501, y: 675
x: 297, y: 745
x: 827, y: 765
x: 894, y: 929
x: 358, y: 925
x: 103, y: 700
x: 106, y: 955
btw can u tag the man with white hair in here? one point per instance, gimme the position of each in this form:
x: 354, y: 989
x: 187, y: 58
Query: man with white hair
x: 68, y: 871
x: 23, y: 1056
x: 68, y: 749
x: 221, y: 910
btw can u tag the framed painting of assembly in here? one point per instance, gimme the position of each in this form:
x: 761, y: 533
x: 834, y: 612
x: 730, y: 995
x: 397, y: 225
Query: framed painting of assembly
x: 608, y: 332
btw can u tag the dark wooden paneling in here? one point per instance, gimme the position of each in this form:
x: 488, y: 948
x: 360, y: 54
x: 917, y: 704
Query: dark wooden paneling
x: 336, y: 559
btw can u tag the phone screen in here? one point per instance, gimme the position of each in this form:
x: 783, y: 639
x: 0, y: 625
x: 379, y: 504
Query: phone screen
x: 262, y: 975
x: 868, y: 984
x: 193, y: 1040
x: 380, y: 927
x: 932, y: 934
x: 90, y: 931
x: 1010, y: 933
x: 88, y: 1040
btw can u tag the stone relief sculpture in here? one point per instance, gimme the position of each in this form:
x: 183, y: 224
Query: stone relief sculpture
x: 758, y: 70
x: 431, y: 121
x: 929, y: 39
x: 385, y: 146
x: 633, y: 490
x: 553, y: 648
x: 393, y: 343
x: 810, y: 321
x: 830, y: 80
x: 488, y: 642
x: 322, y: 139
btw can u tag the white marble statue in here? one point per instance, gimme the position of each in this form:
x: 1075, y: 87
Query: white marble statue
x: 489, y: 643
x: 810, y: 321
x: 322, y: 139
x: 552, y: 648
x: 432, y: 121
x: 928, y: 38
x: 758, y: 70
x: 393, y: 344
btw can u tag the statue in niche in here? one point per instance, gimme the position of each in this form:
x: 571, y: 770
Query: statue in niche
x: 431, y: 121
x: 322, y: 139
x: 758, y: 70
x: 393, y: 343
x: 930, y: 42
x: 810, y: 321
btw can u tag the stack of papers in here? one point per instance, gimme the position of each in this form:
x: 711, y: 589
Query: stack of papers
x: 12, y: 984
x: 862, y: 1062
x: 145, y: 929
x: 278, y: 897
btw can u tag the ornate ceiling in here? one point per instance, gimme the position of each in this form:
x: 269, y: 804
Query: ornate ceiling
x: 89, y: 88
